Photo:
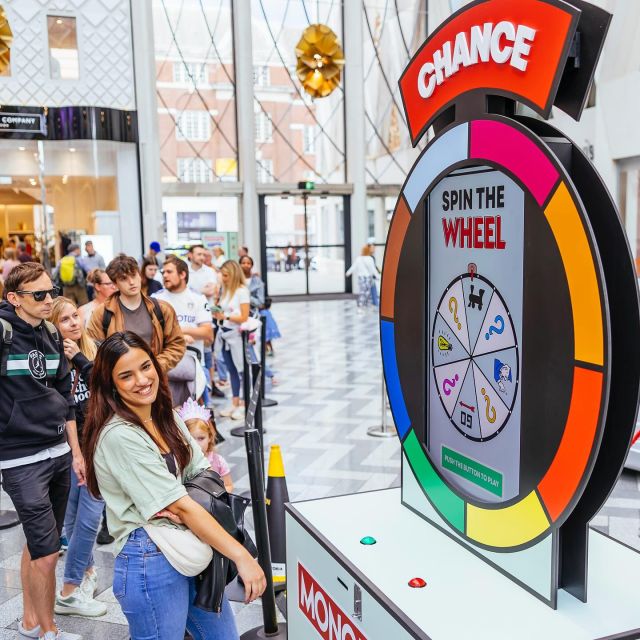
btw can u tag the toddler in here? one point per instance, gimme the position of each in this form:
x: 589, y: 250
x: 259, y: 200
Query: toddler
x: 202, y: 428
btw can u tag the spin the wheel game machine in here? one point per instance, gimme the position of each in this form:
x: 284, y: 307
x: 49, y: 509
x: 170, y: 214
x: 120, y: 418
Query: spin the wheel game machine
x: 510, y: 336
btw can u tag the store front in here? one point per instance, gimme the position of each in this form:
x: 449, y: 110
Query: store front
x: 57, y: 191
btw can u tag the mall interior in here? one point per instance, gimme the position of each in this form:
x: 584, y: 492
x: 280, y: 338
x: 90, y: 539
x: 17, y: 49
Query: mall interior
x: 280, y: 129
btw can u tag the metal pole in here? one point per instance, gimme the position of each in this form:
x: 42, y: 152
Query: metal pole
x: 382, y: 431
x: 246, y: 386
x: 270, y: 628
x: 307, y: 262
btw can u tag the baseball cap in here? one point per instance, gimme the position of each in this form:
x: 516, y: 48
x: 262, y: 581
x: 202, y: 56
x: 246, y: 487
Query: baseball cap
x: 155, y: 246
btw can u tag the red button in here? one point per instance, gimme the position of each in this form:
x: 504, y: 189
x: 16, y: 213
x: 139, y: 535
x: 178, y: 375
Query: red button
x: 417, y: 583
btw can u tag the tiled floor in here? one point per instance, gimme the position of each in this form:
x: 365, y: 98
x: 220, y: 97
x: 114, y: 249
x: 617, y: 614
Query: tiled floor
x: 329, y: 392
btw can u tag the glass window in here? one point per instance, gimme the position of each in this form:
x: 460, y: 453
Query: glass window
x: 264, y: 170
x: 309, y: 140
x: 297, y: 153
x: 196, y: 117
x: 63, y: 48
x: 195, y: 170
x: 261, y: 76
x: 193, y: 125
x: 264, y: 128
x: 54, y: 192
x: 190, y: 72
x: 392, y: 32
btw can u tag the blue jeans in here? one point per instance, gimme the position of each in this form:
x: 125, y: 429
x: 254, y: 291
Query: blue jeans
x: 81, y: 524
x: 233, y: 373
x: 156, y: 599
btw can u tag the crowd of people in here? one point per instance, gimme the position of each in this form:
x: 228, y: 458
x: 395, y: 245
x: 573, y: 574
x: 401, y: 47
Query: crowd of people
x: 109, y: 374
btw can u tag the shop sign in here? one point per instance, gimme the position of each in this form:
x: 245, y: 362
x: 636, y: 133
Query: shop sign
x: 23, y: 122
x: 323, y: 613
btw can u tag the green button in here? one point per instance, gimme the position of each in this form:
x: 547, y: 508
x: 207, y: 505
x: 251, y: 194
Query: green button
x: 368, y: 540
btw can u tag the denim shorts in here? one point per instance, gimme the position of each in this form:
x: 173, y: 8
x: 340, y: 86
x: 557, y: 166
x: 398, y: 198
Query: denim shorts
x: 156, y: 599
x: 39, y: 492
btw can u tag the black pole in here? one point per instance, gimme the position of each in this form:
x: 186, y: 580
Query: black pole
x: 246, y: 386
x: 257, y: 370
x: 266, y: 402
x: 270, y: 626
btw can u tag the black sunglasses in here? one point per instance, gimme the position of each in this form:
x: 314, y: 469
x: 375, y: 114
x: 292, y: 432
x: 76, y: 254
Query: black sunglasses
x: 39, y: 296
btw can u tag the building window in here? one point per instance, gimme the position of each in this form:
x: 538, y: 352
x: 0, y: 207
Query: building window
x: 261, y: 76
x: 193, y: 125
x: 264, y: 128
x: 264, y: 170
x: 195, y: 170
x: 309, y: 138
x: 63, y: 48
x: 190, y: 73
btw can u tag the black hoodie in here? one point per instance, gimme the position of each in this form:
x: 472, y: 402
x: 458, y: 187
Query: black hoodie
x: 35, y: 396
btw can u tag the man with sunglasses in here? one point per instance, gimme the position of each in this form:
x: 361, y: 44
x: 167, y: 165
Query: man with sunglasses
x: 38, y: 438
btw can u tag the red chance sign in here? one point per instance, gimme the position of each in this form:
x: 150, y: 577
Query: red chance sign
x: 515, y: 48
x: 323, y: 613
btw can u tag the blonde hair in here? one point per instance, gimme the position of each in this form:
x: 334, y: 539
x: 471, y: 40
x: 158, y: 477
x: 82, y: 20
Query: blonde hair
x: 86, y: 344
x: 236, y: 278
x: 207, y: 427
x: 366, y: 250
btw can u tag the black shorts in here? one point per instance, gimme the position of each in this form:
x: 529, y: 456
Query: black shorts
x: 39, y: 492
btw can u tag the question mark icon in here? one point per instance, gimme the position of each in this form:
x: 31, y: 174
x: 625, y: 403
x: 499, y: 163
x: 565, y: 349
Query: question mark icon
x: 489, y: 410
x: 498, y: 328
x: 447, y: 384
x: 453, y: 307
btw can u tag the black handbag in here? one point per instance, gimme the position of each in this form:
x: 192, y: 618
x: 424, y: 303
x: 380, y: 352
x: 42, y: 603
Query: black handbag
x: 207, y: 489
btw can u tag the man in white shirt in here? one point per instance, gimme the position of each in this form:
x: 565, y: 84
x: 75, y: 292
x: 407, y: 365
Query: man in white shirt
x: 202, y: 279
x: 192, y: 309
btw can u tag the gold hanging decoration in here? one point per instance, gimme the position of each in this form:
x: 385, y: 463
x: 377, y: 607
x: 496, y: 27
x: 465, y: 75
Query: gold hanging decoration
x: 6, y: 38
x: 320, y: 60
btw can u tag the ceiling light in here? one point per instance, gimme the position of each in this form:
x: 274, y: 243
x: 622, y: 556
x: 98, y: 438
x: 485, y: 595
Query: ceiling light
x: 21, y: 148
x: 72, y: 149
x: 59, y: 21
x: 65, y: 179
x: 33, y: 182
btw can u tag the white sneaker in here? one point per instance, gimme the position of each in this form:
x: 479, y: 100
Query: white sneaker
x: 238, y: 414
x: 59, y: 635
x: 89, y: 583
x: 226, y: 413
x: 79, y: 603
x: 28, y: 633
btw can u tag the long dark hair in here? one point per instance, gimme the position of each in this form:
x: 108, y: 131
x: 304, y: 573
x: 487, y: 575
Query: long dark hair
x: 104, y: 403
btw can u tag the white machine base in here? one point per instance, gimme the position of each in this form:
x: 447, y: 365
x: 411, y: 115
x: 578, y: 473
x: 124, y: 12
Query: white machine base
x: 464, y: 597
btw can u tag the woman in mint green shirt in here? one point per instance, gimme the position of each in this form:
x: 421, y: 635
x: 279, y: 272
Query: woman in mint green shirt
x: 138, y: 454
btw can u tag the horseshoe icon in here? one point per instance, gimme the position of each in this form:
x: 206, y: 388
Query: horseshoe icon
x: 489, y: 410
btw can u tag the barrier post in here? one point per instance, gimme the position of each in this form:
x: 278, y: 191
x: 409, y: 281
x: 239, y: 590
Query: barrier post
x: 383, y: 430
x: 238, y: 432
x: 270, y: 627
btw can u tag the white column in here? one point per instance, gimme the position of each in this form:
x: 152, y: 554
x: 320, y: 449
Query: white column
x: 147, y: 108
x: 243, y: 52
x: 354, y: 117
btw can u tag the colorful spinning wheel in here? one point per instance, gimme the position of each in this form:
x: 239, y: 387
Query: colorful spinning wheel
x: 569, y: 426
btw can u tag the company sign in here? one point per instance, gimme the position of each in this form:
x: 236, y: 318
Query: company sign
x: 500, y: 47
x: 23, y: 123
x: 322, y: 612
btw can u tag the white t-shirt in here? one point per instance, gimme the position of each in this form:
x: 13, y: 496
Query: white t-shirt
x: 231, y: 306
x: 192, y: 310
x: 202, y: 277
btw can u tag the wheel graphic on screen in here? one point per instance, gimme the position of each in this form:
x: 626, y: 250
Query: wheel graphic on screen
x: 474, y: 357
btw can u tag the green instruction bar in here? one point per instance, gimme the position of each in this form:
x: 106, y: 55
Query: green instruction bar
x: 471, y: 470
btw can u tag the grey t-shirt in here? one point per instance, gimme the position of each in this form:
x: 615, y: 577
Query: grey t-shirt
x: 138, y: 321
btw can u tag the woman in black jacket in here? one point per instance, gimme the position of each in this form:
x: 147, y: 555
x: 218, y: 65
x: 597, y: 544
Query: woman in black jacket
x: 84, y: 512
